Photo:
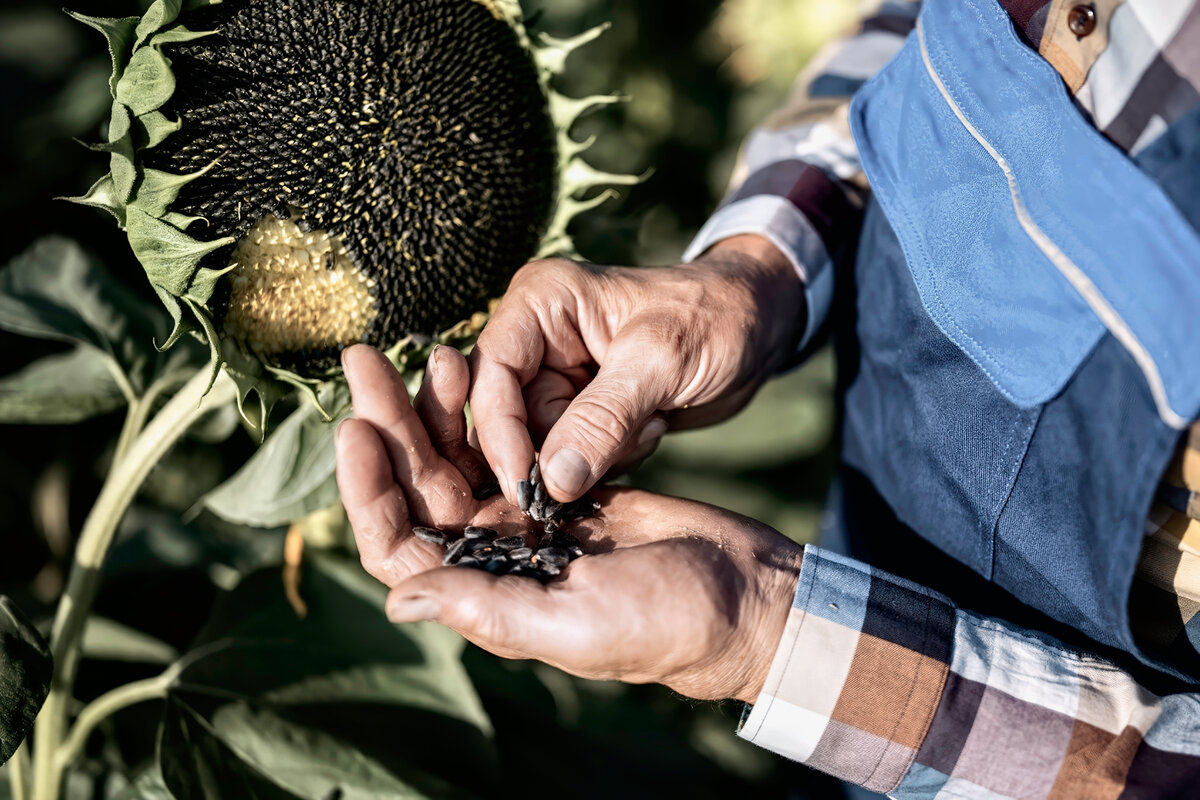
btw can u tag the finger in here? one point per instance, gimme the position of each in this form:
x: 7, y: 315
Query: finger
x: 436, y: 492
x: 602, y: 422
x: 647, y: 442
x: 547, y: 397
x: 510, y: 616
x: 504, y: 359
x: 374, y: 503
x: 439, y: 404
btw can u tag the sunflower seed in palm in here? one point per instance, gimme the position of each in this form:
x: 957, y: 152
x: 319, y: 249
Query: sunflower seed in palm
x: 431, y: 535
x: 510, y: 542
x: 454, y: 552
x: 476, y: 532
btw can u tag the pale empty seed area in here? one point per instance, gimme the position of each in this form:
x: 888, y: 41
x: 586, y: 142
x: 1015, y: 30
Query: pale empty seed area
x: 293, y: 289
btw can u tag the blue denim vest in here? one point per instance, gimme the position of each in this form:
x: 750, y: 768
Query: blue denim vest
x: 1020, y: 334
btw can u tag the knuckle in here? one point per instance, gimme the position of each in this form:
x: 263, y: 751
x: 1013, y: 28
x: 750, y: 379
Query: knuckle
x: 604, y: 421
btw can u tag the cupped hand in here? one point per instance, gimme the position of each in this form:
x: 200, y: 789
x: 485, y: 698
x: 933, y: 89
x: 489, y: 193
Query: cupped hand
x: 669, y: 591
x: 597, y: 361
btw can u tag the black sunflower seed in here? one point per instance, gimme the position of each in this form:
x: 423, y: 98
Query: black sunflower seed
x: 535, y: 474
x: 480, y: 548
x: 476, y: 532
x: 520, y: 554
x: 524, y: 495
x: 553, y: 555
x: 486, y: 491
x: 498, y: 566
x: 431, y: 535
x: 564, y: 539
x: 510, y: 542
x: 454, y: 552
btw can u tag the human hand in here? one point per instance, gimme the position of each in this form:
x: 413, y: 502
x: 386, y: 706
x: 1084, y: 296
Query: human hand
x: 671, y: 591
x: 597, y: 361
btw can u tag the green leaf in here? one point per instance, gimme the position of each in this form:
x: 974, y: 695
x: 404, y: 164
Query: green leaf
x: 103, y: 195
x: 152, y: 128
x: 54, y: 290
x: 169, y: 256
x: 148, y: 785
x: 160, y: 14
x: 25, y: 668
x: 270, y: 705
x: 158, y: 190
x: 119, y: 33
x: 290, y: 476
x: 108, y: 640
x: 148, y: 82
x: 60, y: 390
x: 120, y: 162
x: 175, y: 35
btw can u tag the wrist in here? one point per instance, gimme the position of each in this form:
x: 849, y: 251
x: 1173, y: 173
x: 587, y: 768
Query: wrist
x: 767, y: 619
x: 773, y: 289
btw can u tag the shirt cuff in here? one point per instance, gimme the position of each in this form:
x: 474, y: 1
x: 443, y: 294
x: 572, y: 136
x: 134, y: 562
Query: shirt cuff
x: 779, y: 221
x: 859, y: 674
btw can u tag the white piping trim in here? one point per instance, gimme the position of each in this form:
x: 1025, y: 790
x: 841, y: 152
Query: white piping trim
x: 1082, y: 283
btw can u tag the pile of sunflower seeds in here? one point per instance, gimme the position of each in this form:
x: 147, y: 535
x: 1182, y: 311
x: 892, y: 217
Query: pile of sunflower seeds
x: 537, y: 503
x: 484, y: 548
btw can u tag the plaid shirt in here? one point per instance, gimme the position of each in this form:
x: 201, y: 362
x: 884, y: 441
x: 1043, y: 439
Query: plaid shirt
x: 888, y: 684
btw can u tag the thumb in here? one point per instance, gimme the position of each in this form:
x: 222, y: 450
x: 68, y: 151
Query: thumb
x: 504, y: 616
x: 608, y: 418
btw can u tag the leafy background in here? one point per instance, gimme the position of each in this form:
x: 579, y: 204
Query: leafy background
x: 698, y: 79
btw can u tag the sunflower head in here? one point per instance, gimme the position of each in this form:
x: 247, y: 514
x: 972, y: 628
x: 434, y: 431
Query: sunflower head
x: 299, y: 176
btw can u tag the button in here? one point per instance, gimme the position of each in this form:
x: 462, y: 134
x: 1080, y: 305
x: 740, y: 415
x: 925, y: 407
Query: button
x: 1082, y: 19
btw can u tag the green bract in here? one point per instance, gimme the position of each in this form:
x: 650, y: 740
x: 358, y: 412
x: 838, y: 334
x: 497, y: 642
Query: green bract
x: 297, y: 177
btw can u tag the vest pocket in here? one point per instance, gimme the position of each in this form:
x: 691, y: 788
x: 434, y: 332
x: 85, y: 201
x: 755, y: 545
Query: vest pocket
x: 923, y: 420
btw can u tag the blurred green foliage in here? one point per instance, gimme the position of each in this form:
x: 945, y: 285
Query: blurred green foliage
x: 698, y: 76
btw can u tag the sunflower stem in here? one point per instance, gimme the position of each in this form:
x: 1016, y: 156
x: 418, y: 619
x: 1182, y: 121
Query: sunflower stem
x: 124, y: 479
x: 18, y: 775
x: 105, y: 706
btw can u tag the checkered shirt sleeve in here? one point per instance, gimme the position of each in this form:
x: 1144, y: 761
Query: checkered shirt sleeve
x: 798, y: 181
x: 887, y: 684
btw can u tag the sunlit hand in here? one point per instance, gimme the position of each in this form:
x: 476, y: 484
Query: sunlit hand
x: 671, y: 591
x: 599, y: 360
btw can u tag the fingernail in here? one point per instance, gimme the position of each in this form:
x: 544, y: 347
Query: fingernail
x: 567, y: 470
x: 434, y: 356
x: 654, y: 429
x: 413, y: 609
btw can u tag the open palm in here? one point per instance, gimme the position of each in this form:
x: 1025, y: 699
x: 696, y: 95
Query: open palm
x: 669, y: 591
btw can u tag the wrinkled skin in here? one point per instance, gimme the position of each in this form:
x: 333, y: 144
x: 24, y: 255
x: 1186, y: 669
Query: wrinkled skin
x: 595, y: 363
x: 670, y: 591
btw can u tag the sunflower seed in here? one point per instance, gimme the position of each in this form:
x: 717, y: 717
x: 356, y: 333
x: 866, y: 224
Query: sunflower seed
x: 498, y: 566
x: 540, y: 495
x: 472, y: 561
x: 431, y: 535
x: 520, y: 554
x: 510, y: 542
x: 454, y: 552
x: 535, y: 473
x: 476, y: 532
x: 564, y: 539
x: 524, y: 494
x: 550, y: 570
x: 553, y: 556
x: 486, y: 491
